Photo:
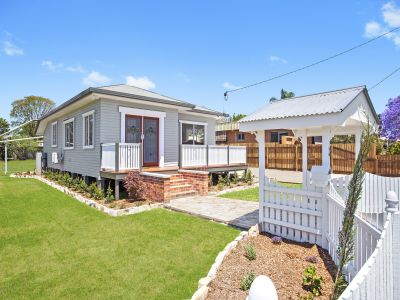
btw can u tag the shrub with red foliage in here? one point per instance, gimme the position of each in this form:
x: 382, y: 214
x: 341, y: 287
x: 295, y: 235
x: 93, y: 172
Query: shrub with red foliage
x: 135, y: 186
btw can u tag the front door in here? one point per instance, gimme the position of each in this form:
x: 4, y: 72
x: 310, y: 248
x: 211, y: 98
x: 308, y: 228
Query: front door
x: 150, y: 141
x: 144, y: 130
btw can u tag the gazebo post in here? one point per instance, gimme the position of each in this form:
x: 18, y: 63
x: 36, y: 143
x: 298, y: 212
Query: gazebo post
x: 260, y: 137
x: 326, y: 143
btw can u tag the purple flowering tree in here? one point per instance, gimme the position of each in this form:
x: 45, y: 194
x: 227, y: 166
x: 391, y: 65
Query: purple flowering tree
x: 391, y: 120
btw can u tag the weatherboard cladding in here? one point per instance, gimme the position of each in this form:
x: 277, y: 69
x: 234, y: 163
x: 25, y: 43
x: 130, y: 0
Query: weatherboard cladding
x: 315, y: 104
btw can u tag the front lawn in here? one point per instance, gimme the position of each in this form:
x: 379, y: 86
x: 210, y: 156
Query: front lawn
x: 52, y: 246
x: 17, y: 166
x: 251, y: 194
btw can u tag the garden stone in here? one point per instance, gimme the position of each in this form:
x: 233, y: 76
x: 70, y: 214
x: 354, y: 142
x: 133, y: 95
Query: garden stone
x: 262, y: 288
x: 204, y: 281
x: 200, y: 294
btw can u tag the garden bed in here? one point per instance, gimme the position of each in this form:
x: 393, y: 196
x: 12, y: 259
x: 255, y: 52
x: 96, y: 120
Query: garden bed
x: 284, y: 263
x: 92, y: 196
x: 220, y: 183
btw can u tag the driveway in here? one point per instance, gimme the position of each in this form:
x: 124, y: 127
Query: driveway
x: 238, y: 213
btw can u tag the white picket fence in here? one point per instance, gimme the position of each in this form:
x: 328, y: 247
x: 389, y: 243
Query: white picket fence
x: 120, y: 156
x: 315, y: 215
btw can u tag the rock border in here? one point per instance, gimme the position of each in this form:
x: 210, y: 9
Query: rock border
x: 203, y: 285
x: 92, y: 203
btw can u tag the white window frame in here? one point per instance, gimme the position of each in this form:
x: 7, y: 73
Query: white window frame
x: 84, y: 128
x: 71, y: 120
x: 193, y: 123
x: 54, y: 130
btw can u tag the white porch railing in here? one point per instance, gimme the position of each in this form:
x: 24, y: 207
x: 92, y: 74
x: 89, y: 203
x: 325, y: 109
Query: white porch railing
x: 120, y: 156
x: 212, y: 155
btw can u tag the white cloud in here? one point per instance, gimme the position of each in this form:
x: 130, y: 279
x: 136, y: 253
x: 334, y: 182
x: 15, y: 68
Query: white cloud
x: 12, y: 50
x: 76, y: 69
x: 230, y: 86
x: 274, y: 58
x: 95, y: 78
x: 140, y: 82
x: 51, y: 65
x: 391, y: 19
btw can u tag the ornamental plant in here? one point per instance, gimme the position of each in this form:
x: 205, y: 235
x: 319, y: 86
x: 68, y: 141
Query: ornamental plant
x: 134, y: 185
x: 390, y: 119
x: 312, y: 282
x: 247, y: 280
x: 346, y: 234
x: 109, y: 194
x: 276, y: 240
x: 250, y: 252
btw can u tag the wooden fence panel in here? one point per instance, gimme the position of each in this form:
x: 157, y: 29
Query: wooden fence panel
x: 289, y: 157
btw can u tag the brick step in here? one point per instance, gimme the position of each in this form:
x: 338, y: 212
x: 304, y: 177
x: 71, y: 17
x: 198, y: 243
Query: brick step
x: 176, y: 176
x: 183, y: 194
x: 181, y: 186
x: 181, y: 180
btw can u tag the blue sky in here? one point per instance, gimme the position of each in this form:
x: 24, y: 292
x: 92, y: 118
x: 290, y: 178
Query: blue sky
x: 190, y: 50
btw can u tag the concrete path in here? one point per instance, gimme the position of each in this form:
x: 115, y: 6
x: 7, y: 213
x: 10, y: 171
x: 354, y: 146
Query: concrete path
x: 239, y: 213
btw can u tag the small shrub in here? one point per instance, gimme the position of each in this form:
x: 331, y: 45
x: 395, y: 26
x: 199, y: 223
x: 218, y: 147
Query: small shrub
x: 112, y: 205
x: 82, y: 187
x: 95, y: 192
x: 134, y: 185
x: 312, y: 259
x: 276, y: 240
x: 75, y: 183
x: 247, y: 280
x: 250, y: 252
x: 249, y: 177
x: 312, y: 282
x: 221, y: 182
x: 109, y: 195
x: 235, y: 178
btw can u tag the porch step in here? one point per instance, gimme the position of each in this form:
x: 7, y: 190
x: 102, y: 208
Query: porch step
x: 183, y: 194
x: 177, y: 181
x: 182, y: 187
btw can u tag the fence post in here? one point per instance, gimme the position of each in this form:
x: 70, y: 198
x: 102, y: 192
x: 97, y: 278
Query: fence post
x: 228, y: 156
x: 391, y: 208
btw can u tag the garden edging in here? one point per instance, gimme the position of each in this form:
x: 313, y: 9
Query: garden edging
x: 92, y: 203
x: 203, y: 286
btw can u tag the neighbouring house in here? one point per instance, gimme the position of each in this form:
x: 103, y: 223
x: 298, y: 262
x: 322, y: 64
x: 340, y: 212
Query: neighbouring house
x: 229, y: 133
x: 104, y: 133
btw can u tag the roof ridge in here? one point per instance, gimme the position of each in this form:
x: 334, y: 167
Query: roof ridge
x: 320, y: 93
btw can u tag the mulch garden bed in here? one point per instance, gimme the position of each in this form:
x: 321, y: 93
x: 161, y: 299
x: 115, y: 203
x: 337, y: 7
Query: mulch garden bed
x: 284, y: 263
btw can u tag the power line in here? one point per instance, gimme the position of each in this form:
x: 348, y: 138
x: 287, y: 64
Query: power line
x: 386, y: 77
x: 311, y: 65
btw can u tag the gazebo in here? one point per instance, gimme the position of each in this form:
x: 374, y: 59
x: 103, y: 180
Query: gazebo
x: 339, y: 112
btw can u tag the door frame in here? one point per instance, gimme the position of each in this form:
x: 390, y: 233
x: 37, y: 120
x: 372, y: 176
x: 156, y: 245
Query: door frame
x: 161, y: 115
x: 151, y: 164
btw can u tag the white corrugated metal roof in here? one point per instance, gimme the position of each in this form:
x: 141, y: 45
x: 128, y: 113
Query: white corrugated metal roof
x: 315, y: 104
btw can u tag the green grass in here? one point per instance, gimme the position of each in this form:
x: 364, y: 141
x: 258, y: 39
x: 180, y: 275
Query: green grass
x: 251, y: 194
x: 52, y: 246
x: 17, y: 166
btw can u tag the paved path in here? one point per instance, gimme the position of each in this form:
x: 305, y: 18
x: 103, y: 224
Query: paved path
x: 239, y: 213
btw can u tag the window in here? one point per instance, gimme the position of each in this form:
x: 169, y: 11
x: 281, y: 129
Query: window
x: 69, y: 134
x: 240, y: 136
x: 276, y: 136
x: 88, y: 130
x: 193, y: 133
x: 54, y: 134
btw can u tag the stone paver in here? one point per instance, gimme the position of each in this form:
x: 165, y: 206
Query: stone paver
x: 243, y: 214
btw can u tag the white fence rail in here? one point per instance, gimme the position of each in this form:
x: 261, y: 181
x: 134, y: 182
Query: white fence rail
x: 315, y: 215
x: 120, y: 156
x: 212, y: 155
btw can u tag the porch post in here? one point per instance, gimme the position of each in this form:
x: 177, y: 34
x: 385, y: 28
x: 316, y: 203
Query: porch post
x: 5, y: 158
x: 326, y: 143
x: 260, y: 137
x: 116, y: 189
x: 304, y: 157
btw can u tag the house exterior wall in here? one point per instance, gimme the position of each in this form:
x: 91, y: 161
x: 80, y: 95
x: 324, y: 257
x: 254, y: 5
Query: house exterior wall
x: 77, y: 160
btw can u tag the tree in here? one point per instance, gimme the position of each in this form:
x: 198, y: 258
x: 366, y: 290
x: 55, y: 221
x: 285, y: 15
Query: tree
x: 391, y: 120
x: 347, y: 232
x: 237, y: 117
x: 284, y: 95
x: 4, y: 126
x: 28, y: 109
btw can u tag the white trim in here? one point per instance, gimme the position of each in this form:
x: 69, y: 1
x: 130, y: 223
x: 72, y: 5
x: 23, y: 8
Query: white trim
x: 73, y: 136
x: 145, y: 113
x: 193, y: 123
x: 52, y: 134
x: 86, y: 114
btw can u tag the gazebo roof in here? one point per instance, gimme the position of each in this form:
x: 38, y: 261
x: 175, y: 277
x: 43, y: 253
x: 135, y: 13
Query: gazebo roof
x: 339, y: 108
